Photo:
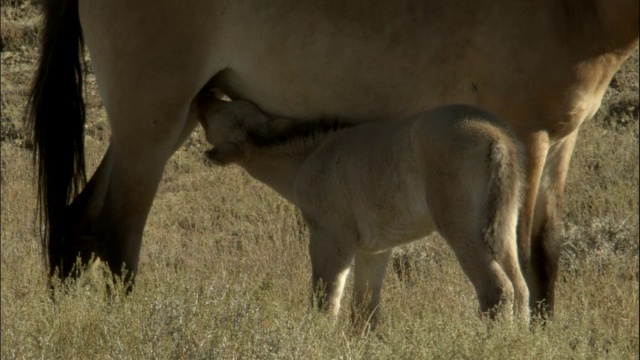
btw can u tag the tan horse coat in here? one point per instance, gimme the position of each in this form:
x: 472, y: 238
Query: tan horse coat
x: 366, y: 189
x: 541, y: 64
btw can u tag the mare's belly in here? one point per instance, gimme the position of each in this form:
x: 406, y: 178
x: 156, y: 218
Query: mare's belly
x: 310, y: 64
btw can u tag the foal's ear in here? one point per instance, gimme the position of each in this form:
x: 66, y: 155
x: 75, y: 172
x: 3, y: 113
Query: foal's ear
x: 225, y: 154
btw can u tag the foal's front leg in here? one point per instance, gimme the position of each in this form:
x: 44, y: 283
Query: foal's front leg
x: 331, y: 256
x: 369, y: 270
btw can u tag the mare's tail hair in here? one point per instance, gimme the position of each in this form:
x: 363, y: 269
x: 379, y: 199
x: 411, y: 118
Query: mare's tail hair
x: 56, y: 118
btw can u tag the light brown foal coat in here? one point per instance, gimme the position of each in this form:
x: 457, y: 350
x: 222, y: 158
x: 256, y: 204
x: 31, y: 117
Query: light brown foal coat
x: 352, y: 59
x: 366, y: 189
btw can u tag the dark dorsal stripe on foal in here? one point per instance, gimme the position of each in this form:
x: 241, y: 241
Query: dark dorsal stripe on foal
x: 298, y: 134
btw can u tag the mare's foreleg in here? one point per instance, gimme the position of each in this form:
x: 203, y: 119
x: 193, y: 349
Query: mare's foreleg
x: 537, y: 147
x: 545, y: 244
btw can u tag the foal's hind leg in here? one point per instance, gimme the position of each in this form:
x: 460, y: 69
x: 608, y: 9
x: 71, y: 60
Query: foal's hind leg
x: 492, y: 285
x: 511, y: 266
x: 331, y: 257
x: 369, y: 274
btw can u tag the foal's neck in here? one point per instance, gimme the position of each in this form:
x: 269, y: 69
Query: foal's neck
x: 279, y: 173
x: 294, y: 138
x: 275, y: 159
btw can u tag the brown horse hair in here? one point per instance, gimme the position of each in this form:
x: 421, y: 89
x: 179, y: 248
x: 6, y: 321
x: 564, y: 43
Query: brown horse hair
x: 294, y: 137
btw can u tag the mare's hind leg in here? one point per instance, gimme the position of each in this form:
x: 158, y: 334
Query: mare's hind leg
x: 123, y: 188
x: 369, y: 274
x: 148, y: 72
x: 87, y: 206
x: 331, y: 256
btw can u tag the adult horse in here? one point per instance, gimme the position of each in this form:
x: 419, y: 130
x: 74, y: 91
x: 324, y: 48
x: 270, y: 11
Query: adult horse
x: 355, y: 60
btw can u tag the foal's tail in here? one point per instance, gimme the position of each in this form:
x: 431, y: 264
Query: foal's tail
x: 56, y: 118
x: 504, y: 200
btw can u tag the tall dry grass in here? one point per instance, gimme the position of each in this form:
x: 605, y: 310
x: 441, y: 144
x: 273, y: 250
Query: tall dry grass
x: 225, y: 272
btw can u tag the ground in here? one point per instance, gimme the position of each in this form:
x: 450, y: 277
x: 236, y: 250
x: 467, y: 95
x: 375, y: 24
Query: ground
x: 225, y: 274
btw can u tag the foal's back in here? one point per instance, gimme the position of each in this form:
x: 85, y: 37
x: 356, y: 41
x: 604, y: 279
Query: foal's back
x: 397, y: 182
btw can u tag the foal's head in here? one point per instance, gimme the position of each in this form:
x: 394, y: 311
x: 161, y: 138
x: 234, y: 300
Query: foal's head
x: 239, y: 130
x: 229, y: 126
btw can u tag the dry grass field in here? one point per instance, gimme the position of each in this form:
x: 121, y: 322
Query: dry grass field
x: 225, y: 273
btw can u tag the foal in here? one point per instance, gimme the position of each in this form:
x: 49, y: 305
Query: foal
x: 365, y: 189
